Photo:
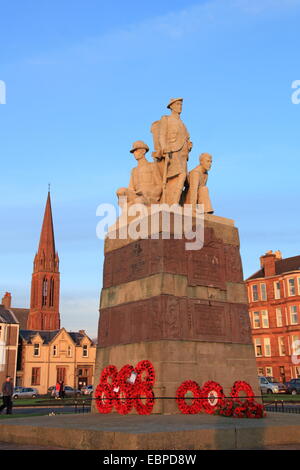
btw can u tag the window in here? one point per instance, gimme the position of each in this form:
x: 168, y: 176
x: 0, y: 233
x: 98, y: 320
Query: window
x: 45, y: 292
x: 277, y: 290
x: 263, y: 291
x: 256, y: 320
x: 294, y: 315
x: 267, y: 345
x: 35, y: 376
x: 258, y: 348
x: 269, y: 371
x: 51, y: 292
x: 263, y: 381
x: 278, y: 316
x: 0, y: 332
x: 292, y: 289
x: 281, y: 346
x: 298, y: 285
x: 61, y: 374
x: 265, y: 318
x: 295, y: 345
x: 85, y: 350
x: 260, y: 371
x: 254, y: 293
x: 54, y: 350
x: 297, y: 371
x: 36, y: 349
x: 69, y: 351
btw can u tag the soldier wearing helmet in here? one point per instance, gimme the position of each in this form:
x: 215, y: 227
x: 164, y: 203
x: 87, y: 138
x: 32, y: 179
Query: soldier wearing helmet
x: 172, y: 146
x: 145, y: 184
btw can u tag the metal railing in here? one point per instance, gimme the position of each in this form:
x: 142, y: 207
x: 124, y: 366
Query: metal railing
x: 83, y: 405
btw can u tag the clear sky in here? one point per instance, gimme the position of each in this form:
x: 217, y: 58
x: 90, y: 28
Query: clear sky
x: 87, y: 78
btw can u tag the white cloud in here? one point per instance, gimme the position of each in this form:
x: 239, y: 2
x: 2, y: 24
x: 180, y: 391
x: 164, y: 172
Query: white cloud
x: 155, y: 33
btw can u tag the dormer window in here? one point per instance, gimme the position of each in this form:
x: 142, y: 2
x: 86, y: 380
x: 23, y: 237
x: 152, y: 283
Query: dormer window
x: 84, y: 350
x: 36, y: 349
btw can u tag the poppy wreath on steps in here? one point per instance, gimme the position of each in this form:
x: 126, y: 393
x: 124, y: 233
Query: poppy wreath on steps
x: 108, y: 371
x: 227, y: 408
x: 212, y: 397
x: 185, y: 387
x: 255, y: 410
x: 104, y: 398
x: 143, y: 391
x: 241, y: 386
x: 145, y: 366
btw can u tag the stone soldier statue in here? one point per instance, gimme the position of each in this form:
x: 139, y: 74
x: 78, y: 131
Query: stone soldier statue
x: 172, y: 146
x: 145, y: 184
x: 198, y: 191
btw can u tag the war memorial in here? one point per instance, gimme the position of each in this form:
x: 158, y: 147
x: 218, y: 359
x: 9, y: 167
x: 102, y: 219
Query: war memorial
x: 174, y: 336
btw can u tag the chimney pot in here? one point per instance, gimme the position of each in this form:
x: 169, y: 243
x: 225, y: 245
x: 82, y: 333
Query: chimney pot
x: 268, y: 261
x: 6, y: 300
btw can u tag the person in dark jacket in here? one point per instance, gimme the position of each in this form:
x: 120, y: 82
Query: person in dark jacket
x: 61, y: 389
x: 7, y: 392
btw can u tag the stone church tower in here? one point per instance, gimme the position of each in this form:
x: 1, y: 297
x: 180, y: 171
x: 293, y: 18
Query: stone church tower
x: 44, y: 304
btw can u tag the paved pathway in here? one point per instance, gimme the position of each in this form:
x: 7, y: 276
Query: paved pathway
x: 7, y: 446
x: 95, y: 431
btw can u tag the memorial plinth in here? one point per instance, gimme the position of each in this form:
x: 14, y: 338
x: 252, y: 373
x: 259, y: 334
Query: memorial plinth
x: 184, y: 310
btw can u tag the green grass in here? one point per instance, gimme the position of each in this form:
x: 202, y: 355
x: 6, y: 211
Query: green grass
x: 48, y: 401
x: 30, y: 415
x: 280, y: 397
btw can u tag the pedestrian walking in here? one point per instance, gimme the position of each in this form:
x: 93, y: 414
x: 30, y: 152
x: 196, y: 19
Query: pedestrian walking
x: 7, y: 391
x: 61, y: 389
x: 57, y: 388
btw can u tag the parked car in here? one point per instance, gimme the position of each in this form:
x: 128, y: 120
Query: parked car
x: 271, y: 385
x: 25, y: 392
x: 69, y: 391
x: 88, y: 390
x: 293, y: 386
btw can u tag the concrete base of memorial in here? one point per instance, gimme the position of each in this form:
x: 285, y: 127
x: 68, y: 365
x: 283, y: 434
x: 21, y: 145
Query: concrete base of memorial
x: 154, y: 432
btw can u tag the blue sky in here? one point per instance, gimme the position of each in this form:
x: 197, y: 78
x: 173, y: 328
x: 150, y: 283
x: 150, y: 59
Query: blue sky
x: 86, y: 79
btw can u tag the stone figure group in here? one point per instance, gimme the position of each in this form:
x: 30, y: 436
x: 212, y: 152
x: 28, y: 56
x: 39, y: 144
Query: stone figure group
x: 166, y: 179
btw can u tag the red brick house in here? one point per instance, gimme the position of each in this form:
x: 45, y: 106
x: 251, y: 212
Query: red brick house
x: 274, y: 309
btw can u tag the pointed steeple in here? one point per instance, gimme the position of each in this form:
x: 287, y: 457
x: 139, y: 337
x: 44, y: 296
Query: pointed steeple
x: 44, y: 306
x: 47, y: 242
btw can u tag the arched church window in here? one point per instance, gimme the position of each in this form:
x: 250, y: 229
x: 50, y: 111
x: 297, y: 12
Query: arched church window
x: 45, y: 291
x: 51, y: 292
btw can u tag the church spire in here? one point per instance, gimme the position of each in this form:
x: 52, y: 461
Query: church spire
x: 44, y: 306
x: 47, y: 241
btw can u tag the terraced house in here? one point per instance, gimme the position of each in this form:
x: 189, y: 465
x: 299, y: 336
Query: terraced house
x: 9, y: 333
x: 274, y: 309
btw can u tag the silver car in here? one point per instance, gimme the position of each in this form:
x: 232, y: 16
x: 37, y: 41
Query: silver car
x: 270, y: 385
x: 25, y: 392
x: 88, y: 390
